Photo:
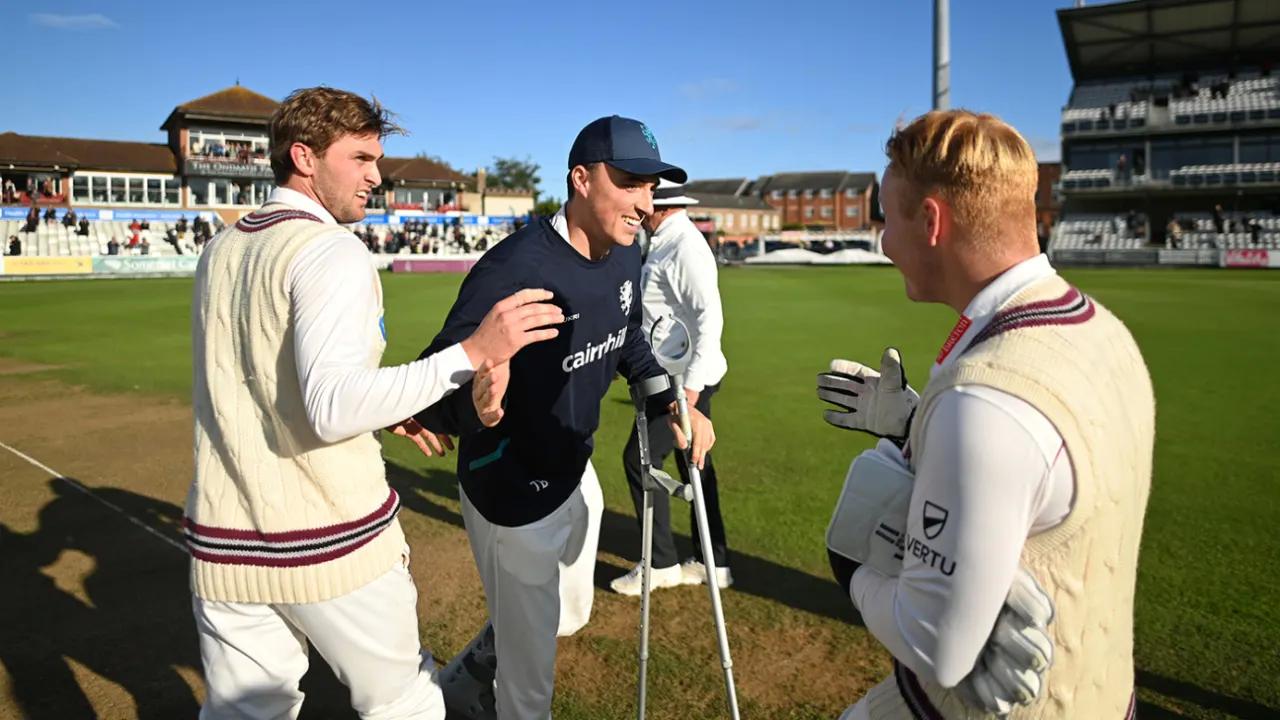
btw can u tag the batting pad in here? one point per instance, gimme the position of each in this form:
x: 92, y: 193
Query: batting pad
x: 870, y: 519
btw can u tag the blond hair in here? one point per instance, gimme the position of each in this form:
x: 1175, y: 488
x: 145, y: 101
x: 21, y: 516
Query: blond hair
x: 317, y: 117
x: 978, y: 163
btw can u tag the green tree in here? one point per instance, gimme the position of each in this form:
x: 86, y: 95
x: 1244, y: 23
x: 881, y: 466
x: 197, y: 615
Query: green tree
x: 514, y: 174
x: 548, y: 207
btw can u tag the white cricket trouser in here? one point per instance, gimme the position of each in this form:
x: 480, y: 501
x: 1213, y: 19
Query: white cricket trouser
x: 256, y: 654
x: 539, y: 584
x: 882, y: 702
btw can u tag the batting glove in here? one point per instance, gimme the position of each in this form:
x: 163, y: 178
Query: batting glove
x: 880, y: 403
x: 1010, y: 671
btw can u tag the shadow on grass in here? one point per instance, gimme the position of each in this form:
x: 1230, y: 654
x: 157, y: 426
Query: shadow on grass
x: 620, y: 535
x: 124, y: 614
x: 1193, y: 694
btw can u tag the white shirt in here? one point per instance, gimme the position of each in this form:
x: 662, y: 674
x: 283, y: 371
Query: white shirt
x: 998, y: 471
x: 336, y: 303
x: 679, y: 278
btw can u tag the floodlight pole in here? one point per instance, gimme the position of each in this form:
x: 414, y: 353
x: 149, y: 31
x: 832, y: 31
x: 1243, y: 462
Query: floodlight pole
x: 941, y: 55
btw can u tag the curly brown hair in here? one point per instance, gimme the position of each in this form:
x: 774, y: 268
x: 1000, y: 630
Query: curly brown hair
x: 317, y: 117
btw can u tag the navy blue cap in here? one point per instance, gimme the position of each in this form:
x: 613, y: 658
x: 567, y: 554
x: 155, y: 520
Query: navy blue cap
x: 625, y: 144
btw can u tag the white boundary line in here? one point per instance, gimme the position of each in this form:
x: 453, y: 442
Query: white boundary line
x: 173, y: 543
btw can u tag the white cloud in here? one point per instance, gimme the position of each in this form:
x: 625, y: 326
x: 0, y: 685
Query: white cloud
x: 93, y: 21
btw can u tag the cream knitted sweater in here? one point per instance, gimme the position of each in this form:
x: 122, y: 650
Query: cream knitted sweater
x: 1077, y: 364
x: 274, y: 514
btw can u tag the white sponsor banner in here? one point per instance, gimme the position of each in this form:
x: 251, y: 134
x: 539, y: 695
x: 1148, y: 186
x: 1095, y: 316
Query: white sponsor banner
x: 141, y: 264
x: 1250, y: 258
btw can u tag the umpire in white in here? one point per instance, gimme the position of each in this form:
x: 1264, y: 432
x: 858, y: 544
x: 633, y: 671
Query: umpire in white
x: 679, y: 279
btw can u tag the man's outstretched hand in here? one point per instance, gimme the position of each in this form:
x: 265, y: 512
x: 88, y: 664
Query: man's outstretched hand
x: 428, y: 442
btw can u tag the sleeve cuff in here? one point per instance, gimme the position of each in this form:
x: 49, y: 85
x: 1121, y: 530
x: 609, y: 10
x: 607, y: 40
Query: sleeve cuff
x: 455, y: 366
x: 864, y: 580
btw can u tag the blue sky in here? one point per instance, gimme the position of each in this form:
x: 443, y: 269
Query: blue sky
x: 729, y: 88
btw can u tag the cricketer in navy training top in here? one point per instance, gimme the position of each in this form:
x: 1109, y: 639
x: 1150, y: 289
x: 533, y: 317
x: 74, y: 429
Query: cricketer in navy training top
x: 531, y: 501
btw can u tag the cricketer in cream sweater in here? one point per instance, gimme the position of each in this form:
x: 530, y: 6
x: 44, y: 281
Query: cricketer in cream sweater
x: 290, y: 521
x: 1030, y: 449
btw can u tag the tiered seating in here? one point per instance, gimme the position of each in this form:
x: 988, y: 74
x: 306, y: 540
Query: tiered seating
x: 1127, y: 115
x: 1097, y: 232
x: 1096, y: 95
x: 1238, y: 173
x: 1246, y: 100
x: 443, y: 243
x: 1087, y: 178
x: 1111, y: 106
x: 1237, y: 231
x: 59, y: 240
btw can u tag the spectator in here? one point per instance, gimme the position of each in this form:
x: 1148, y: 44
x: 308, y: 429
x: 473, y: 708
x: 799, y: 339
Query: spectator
x: 181, y: 227
x: 1173, y: 233
x: 10, y: 191
x: 171, y: 237
x: 135, y: 226
x: 50, y: 216
x: 135, y: 238
x: 1219, y: 220
x: 1122, y: 169
x: 84, y: 227
x: 69, y: 220
x: 1131, y: 222
x: 144, y: 248
x: 15, y: 245
x: 146, y: 224
x: 1255, y: 230
x: 33, y: 220
x: 113, y: 246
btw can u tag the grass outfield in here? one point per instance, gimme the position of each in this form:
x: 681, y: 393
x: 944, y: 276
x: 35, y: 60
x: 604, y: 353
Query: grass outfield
x: 1207, y: 593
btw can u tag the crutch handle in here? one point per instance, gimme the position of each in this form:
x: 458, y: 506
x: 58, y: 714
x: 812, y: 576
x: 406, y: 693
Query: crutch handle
x: 682, y: 407
x: 673, y: 487
x: 644, y: 389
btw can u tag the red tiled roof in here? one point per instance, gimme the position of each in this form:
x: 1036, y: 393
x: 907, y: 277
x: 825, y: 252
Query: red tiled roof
x: 235, y: 103
x: 73, y: 153
x: 419, y: 169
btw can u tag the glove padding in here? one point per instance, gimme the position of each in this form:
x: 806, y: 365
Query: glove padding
x: 880, y: 403
x: 1010, y: 671
x: 870, y: 517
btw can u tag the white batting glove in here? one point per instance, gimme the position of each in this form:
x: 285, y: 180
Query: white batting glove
x: 880, y: 403
x: 1010, y: 671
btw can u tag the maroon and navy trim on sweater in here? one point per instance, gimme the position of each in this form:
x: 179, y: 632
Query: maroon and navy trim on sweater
x: 259, y: 221
x: 1073, y: 308
x: 295, y: 548
x: 922, y: 707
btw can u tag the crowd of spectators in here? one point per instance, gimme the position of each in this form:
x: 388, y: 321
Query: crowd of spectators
x: 32, y: 190
x: 418, y: 237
